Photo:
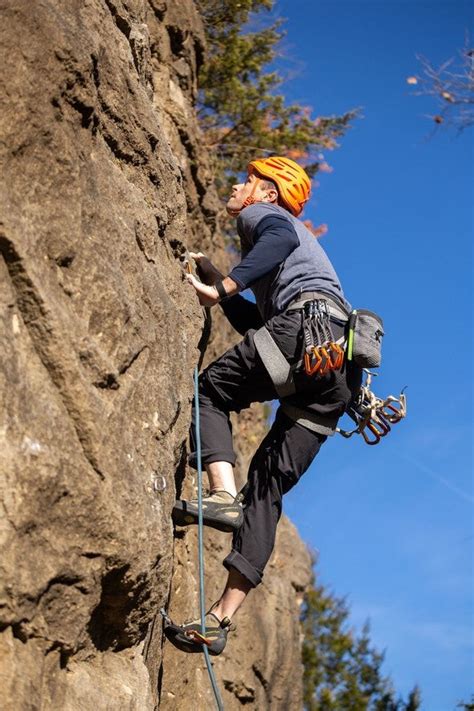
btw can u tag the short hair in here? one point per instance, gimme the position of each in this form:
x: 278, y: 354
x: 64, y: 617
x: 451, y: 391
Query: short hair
x: 268, y: 184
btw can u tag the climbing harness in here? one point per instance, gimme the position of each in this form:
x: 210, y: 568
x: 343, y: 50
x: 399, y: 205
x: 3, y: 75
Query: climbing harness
x: 320, y: 345
x: 372, y: 415
x: 280, y: 371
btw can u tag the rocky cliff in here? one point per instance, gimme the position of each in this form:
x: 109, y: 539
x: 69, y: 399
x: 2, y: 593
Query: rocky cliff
x: 104, y: 185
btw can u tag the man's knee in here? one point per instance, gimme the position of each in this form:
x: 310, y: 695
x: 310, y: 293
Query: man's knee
x: 237, y: 561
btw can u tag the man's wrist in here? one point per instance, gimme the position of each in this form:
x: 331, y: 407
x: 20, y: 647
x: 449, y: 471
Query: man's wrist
x: 220, y: 288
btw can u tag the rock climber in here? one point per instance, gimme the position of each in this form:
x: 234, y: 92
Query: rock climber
x: 285, y: 267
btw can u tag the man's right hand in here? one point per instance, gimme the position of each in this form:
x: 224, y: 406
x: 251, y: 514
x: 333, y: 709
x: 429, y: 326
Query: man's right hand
x: 206, y: 271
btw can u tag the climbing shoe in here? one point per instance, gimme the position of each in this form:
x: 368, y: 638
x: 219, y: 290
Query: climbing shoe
x: 189, y: 638
x: 220, y: 510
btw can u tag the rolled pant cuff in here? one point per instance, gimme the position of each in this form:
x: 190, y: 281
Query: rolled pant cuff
x: 210, y: 456
x: 241, y: 564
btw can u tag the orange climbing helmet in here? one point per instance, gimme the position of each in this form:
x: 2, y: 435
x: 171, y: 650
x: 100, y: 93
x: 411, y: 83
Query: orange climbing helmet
x: 294, y: 185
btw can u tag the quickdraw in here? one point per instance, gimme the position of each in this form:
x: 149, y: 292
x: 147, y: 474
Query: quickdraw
x: 322, y: 352
x: 372, y: 415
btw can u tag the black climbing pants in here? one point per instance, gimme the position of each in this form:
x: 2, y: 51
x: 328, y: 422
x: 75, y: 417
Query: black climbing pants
x: 231, y: 384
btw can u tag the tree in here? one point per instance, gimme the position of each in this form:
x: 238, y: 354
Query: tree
x: 342, y: 671
x: 452, y: 86
x: 466, y: 705
x: 241, y: 110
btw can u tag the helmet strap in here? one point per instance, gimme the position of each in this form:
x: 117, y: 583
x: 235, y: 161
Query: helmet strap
x: 250, y: 200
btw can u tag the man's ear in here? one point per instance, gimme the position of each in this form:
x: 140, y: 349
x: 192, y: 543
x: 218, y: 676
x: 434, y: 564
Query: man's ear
x: 272, y: 195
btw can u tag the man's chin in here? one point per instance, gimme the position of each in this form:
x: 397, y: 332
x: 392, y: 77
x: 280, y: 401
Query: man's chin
x: 233, y: 207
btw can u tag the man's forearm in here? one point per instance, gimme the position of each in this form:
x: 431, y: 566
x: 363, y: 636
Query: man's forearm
x: 226, y: 287
x: 211, y: 295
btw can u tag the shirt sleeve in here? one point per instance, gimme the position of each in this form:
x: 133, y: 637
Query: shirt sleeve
x: 274, y: 238
x: 241, y: 314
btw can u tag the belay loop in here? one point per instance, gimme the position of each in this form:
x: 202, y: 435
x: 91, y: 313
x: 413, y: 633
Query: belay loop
x: 372, y: 415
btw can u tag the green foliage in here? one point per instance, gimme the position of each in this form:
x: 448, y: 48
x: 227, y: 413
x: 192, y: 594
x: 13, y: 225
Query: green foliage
x: 466, y: 705
x: 242, y: 113
x: 342, y: 671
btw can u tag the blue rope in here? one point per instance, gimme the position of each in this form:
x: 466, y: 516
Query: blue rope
x: 210, y: 670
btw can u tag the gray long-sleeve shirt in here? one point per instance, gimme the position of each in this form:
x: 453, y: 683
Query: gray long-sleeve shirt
x: 281, y: 259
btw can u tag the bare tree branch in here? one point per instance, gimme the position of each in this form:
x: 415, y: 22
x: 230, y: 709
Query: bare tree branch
x: 451, y: 85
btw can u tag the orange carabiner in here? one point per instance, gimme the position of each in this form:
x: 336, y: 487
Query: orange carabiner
x: 338, y: 357
x: 323, y: 359
x: 326, y: 358
x: 312, y: 366
x: 333, y: 355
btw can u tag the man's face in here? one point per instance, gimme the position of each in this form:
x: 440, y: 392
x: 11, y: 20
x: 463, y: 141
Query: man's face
x: 242, y: 191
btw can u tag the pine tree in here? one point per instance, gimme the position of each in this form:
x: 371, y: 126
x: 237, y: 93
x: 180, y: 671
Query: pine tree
x: 241, y: 109
x: 342, y: 670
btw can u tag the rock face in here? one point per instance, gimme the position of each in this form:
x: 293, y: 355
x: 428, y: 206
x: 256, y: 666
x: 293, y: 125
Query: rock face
x: 105, y: 184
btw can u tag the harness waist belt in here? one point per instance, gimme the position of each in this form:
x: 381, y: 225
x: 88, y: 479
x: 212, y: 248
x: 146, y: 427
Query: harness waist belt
x: 334, y: 308
x: 280, y: 370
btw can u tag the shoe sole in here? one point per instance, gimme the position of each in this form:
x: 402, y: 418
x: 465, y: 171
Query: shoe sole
x: 186, y: 518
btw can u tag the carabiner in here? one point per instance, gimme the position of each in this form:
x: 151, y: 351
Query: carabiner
x: 326, y: 366
x: 338, y: 358
x: 390, y: 410
x: 379, y: 420
x: 376, y: 439
x: 391, y: 413
x: 312, y: 367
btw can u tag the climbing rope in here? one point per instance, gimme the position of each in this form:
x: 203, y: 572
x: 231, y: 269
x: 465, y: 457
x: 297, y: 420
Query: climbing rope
x: 188, y: 265
x: 190, y: 268
x: 210, y: 670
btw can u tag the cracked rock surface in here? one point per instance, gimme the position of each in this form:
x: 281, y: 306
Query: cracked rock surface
x: 105, y: 184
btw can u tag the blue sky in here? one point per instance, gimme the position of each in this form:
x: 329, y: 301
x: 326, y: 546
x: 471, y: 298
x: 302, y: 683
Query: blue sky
x: 392, y: 524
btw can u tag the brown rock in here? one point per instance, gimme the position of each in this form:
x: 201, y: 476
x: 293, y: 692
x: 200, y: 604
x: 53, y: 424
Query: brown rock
x: 104, y: 184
